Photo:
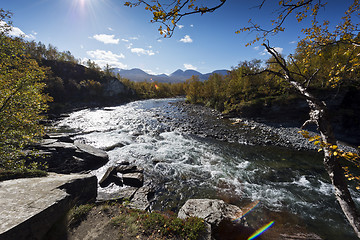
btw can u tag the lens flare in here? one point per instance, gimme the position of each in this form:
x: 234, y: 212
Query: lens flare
x: 246, y: 210
x: 261, y: 230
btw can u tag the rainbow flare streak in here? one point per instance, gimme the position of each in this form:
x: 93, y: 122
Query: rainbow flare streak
x: 261, y: 230
x: 248, y: 208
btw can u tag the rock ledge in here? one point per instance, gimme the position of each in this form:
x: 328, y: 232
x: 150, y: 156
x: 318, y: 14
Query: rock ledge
x: 30, y: 207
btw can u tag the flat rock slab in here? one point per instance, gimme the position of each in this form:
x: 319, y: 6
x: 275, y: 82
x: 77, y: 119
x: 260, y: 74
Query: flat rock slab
x: 125, y: 193
x: 30, y: 206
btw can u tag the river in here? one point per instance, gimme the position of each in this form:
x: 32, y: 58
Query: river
x: 291, y: 185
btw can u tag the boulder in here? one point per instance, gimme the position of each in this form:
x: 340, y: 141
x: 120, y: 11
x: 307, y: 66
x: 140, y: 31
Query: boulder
x: 133, y: 179
x: 213, y: 211
x: 142, y: 197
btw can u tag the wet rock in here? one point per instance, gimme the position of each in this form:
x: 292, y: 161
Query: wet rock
x: 90, y: 151
x: 112, y: 147
x: 141, y: 199
x: 300, y: 236
x: 61, y: 137
x: 133, y: 179
x: 110, y: 176
x: 129, y: 169
x: 124, y: 163
x: 68, y: 157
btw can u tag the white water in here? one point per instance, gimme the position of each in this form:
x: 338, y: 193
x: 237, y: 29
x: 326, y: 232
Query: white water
x: 182, y: 166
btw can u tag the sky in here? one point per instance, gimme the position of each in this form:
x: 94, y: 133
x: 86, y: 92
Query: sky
x: 108, y: 32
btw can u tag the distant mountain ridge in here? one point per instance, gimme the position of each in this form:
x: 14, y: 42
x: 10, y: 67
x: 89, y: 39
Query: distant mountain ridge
x: 138, y: 75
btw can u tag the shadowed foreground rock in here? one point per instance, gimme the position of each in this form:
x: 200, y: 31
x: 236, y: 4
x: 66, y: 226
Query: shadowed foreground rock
x: 30, y: 207
x: 63, y: 155
x: 219, y: 217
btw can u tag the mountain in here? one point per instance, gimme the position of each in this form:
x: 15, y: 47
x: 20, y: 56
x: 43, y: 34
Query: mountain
x: 138, y: 75
x: 221, y: 72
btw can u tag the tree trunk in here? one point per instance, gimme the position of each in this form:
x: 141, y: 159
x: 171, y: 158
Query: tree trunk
x: 319, y: 115
x: 333, y: 167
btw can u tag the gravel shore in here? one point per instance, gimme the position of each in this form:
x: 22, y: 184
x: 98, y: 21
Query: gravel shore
x: 205, y: 122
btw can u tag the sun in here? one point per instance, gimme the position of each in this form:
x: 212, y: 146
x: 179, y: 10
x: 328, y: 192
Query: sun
x: 83, y: 7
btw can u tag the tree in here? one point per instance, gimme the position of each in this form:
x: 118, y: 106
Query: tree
x: 319, y: 39
x: 21, y: 101
x: 193, y: 91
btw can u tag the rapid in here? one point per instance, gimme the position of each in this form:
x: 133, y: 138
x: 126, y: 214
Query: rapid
x: 291, y: 185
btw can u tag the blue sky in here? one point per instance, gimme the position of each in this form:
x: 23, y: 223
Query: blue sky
x: 105, y: 31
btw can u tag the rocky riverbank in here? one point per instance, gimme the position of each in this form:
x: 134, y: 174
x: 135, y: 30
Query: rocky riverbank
x: 209, y: 123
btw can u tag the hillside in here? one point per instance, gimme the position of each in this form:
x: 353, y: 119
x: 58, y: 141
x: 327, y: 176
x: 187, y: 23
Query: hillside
x: 73, y: 85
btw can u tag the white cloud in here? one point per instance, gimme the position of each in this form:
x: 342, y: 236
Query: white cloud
x: 293, y: 42
x: 186, y: 39
x: 277, y: 49
x: 102, y: 58
x: 17, y: 32
x: 192, y: 25
x: 256, y: 48
x: 82, y: 46
x: 134, y: 38
x: 107, y: 39
x: 159, y: 40
x: 150, y: 72
x: 180, y: 26
x: 140, y: 51
x: 124, y: 40
x: 110, y: 29
x: 189, y: 67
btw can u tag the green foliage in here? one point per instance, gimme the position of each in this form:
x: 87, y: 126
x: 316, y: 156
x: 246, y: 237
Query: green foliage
x: 21, y: 173
x: 146, y: 90
x: 21, y: 101
x: 336, y: 64
x: 78, y: 214
x: 39, y: 51
x: 240, y: 87
x: 133, y: 222
x: 190, y: 228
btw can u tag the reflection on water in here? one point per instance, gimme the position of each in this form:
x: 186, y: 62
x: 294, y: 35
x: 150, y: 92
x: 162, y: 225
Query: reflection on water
x: 291, y: 186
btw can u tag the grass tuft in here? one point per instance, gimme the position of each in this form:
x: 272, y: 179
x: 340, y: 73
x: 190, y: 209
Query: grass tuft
x: 78, y: 214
